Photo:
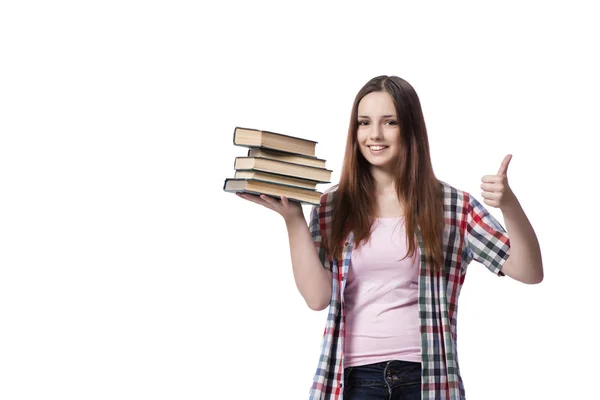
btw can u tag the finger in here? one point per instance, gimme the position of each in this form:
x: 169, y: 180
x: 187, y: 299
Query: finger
x: 249, y: 196
x: 246, y: 196
x: 504, y: 165
x: 491, y: 195
x: 491, y: 187
x: 276, y: 204
x: 492, y: 178
x: 254, y: 199
x: 270, y: 200
x: 289, y: 203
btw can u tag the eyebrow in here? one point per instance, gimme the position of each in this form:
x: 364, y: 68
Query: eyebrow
x: 383, y: 116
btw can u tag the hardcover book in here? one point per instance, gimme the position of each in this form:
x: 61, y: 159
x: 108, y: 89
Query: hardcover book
x: 320, y: 175
x: 275, y: 178
x: 276, y: 190
x: 255, y: 138
x: 281, y: 156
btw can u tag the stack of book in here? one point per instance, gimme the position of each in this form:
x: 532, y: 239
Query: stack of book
x: 277, y: 165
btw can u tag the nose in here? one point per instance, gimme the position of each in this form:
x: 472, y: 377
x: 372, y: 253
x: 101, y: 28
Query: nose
x: 375, y: 132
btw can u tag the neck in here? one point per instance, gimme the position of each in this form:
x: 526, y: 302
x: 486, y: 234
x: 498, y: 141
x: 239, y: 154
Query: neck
x: 385, y: 182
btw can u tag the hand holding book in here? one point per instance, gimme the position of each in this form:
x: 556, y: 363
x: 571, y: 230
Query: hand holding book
x: 289, y: 210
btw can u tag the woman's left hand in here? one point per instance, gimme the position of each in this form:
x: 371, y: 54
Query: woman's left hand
x: 496, y: 191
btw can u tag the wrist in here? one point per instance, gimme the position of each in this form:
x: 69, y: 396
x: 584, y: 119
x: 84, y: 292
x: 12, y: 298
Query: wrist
x: 511, y: 203
x: 294, y: 219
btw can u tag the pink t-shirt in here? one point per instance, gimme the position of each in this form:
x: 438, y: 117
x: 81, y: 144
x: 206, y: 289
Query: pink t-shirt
x: 380, y: 299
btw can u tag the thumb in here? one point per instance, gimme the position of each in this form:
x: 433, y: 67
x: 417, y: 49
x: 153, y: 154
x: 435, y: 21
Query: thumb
x: 504, y: 166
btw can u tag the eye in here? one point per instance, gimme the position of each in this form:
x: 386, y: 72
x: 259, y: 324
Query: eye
x: 391, y: 122
x: 363, y: 122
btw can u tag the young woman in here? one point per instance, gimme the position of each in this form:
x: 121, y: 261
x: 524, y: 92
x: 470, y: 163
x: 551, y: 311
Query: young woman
x: 391, y: 327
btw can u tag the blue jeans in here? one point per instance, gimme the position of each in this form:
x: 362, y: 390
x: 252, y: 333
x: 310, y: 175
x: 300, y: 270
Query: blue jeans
x: 386, y: 380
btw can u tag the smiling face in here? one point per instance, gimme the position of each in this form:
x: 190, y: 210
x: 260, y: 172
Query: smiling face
x: 378, y: 132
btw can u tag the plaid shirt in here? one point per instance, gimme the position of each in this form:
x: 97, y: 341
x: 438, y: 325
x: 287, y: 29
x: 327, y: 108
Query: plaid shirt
x: 470, y: 233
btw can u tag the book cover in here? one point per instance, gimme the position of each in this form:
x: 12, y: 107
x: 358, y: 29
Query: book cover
x: 284, y: 163
x: 266, y: 147
x: 277, y: 154
x: 273, y: 133
x: 284, y: 186
x: 275, y: 177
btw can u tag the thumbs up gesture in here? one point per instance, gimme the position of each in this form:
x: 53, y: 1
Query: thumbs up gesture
x: 496, y: 192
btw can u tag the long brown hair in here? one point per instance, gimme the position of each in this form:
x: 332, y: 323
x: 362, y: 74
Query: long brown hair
x: 416, y: 185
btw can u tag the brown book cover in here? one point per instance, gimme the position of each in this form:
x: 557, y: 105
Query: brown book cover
x: 320, y: 175
x: 276, y: 190
x: 255, y: 138
x: 282, y: 156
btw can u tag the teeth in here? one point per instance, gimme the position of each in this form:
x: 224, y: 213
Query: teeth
x: 377, y: 147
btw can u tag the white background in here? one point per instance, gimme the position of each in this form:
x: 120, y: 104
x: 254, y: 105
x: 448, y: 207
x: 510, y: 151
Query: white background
x: 127, y: 273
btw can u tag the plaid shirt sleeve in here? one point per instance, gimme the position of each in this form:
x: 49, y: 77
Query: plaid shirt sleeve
x: 315, y: 230
x: 486, y: 238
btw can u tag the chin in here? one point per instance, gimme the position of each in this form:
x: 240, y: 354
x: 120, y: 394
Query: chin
x: 380, y: 163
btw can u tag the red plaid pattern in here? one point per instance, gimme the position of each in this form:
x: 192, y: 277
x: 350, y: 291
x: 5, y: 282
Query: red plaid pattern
x: 470, y: 233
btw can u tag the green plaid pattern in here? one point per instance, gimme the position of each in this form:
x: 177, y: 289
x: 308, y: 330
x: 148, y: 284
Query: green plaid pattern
x: 470, y: 233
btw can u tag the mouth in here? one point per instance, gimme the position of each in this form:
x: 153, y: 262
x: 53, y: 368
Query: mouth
x: 377, y: 149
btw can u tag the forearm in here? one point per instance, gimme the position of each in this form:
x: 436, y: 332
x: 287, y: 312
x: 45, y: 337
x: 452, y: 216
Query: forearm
x: 312, y: 279
x: 525, y: 253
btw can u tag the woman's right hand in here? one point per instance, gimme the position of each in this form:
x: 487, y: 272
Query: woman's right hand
x: 289, y: 210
